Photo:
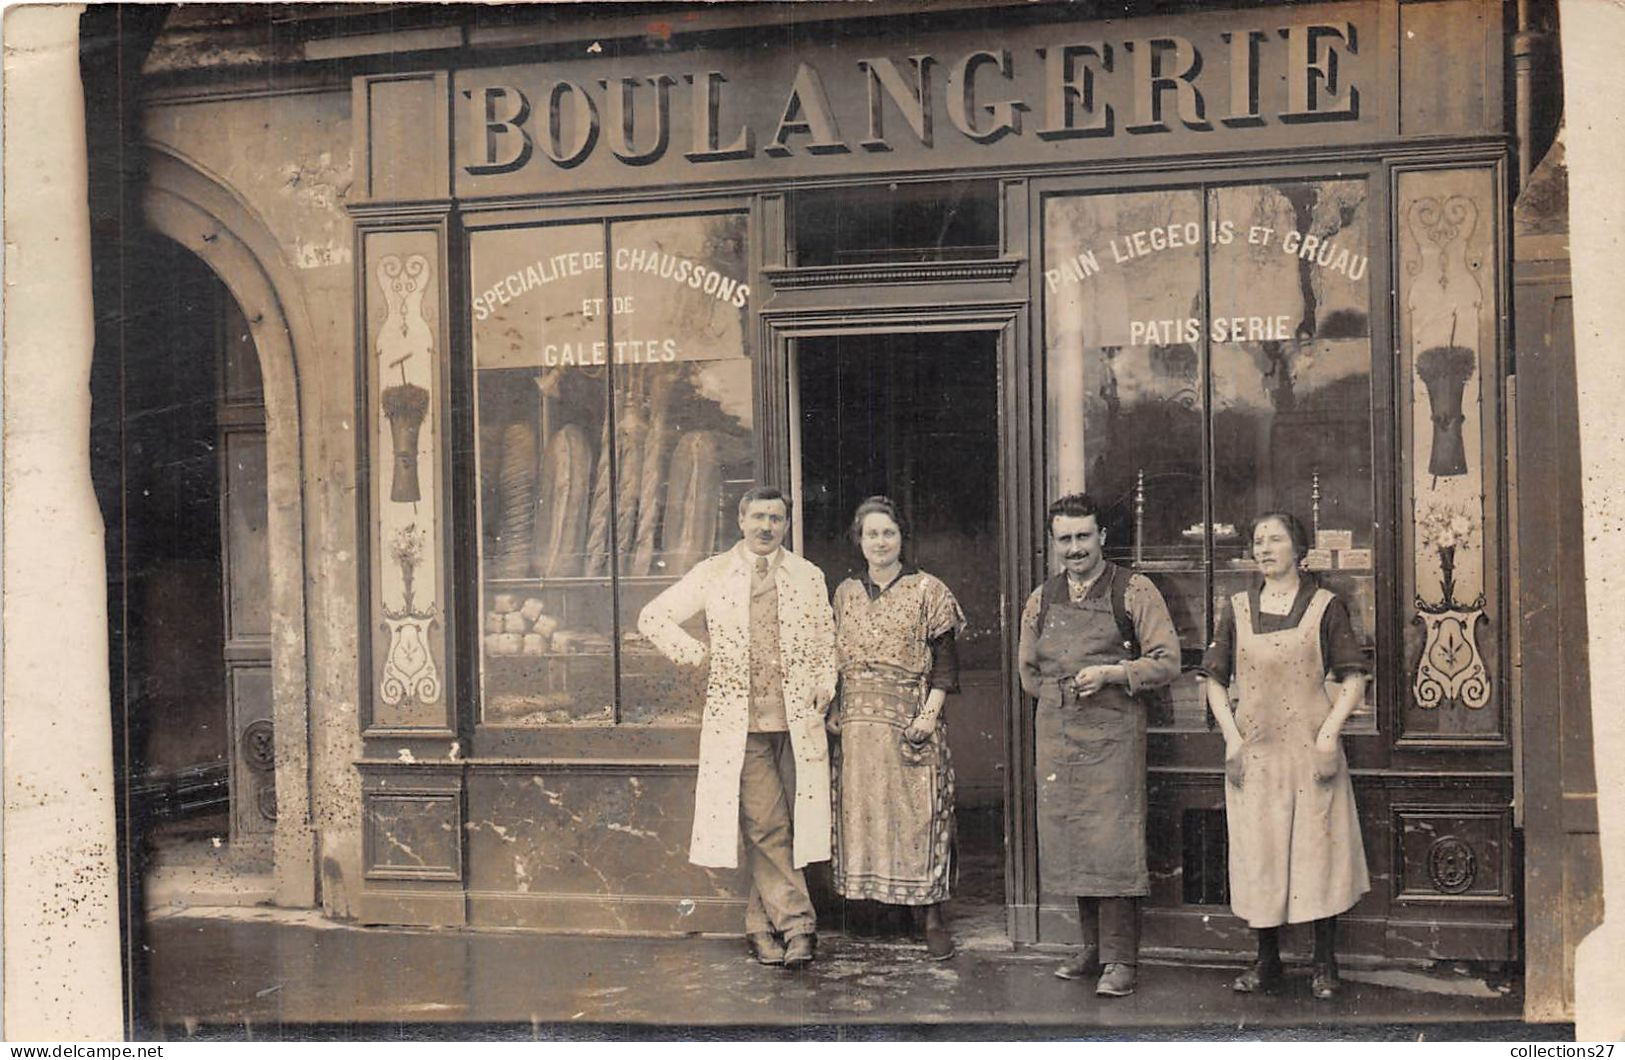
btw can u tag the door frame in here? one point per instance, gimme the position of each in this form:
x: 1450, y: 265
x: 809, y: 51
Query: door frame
x: 943, y: 310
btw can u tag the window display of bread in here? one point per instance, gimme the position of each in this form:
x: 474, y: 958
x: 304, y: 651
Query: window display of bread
x: 692, y: 497
x: 534, y: 644
x: 566, y: 472
x: 532, y: 609
x: 512, y: 708
x: 514, y: 622
x: 493, y: 622
x: 504, y: 643
x: 597, y: 550
x: 651, y: 490
x: 579, y: 642
x: 545, y: 626
x: 631, y: 430
x: 516, y: 487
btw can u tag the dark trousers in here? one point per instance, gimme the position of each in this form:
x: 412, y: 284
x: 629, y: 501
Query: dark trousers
x: 778, y: 891
x: 1112, y: 925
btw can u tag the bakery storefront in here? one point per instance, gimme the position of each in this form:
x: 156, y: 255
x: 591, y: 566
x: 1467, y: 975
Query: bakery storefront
x: 1199, y: 264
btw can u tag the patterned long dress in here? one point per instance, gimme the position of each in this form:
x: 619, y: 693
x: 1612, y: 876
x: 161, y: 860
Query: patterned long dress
x: 894, y: 804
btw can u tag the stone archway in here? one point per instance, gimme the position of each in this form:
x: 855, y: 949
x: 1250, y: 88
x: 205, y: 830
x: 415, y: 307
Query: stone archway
x: 197, y: 211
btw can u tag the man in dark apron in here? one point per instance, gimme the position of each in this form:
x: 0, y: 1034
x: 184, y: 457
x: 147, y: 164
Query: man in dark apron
x: 1092, y: 638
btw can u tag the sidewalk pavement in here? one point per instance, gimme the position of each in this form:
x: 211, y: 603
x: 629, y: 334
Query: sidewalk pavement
x: 276, y: 974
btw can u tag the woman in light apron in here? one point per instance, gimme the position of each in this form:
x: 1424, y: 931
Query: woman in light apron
x: 1296, y: 854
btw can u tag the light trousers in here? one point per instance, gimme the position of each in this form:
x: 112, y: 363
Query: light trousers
x: 779, y: 901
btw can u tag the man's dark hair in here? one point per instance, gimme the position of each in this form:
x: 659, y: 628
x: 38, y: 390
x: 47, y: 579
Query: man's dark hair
x: 763, y: 493
x: 1072, y: 506
x: 1294, y: 530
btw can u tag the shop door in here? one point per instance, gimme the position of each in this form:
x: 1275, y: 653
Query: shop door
x: 914, y: 417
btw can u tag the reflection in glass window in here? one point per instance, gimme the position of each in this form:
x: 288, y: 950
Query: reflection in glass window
x: 614, y: 410
x: 1291, y: 354
x: 1185, y: 419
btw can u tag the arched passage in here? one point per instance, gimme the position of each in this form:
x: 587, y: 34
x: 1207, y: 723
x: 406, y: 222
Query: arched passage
x: 198, y: 212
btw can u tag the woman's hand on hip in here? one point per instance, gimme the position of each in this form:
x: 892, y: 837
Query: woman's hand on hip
x: 1326, y: 757
x: 1234, y: 764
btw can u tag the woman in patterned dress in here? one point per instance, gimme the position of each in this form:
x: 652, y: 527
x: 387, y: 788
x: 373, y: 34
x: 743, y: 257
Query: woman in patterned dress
x: 892, y: 778
x: 1296, y: 854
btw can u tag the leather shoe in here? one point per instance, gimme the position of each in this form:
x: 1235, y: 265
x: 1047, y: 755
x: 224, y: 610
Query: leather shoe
x: 1116, y: 981
x: 798, y: 952
x: 1259, y: 977
x: 1324, y: 984
x: 765, y: 947
x: 1085, y: 964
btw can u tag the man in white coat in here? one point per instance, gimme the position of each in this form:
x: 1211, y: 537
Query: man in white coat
x: 764, y: 755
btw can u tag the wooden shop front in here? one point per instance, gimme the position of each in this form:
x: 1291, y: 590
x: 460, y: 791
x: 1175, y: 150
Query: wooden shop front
x: 1198, y: 264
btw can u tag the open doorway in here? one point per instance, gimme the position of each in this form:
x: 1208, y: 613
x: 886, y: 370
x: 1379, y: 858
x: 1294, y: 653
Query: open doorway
x: 194, y: 584
x: 915, y: 417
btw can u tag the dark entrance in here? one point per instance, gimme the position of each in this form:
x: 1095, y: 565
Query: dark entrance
x: 914, y: 416
x: 190, y: 586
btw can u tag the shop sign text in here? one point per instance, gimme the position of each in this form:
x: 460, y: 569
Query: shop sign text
x: 1138, y: 87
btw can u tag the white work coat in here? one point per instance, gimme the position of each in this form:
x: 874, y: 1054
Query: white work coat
x: 720, y: 587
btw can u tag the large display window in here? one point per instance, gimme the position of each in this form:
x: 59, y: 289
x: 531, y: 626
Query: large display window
x: 1208, y: 356
x: 614, y: 426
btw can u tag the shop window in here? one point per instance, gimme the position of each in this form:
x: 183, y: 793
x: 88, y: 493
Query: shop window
x: 907, y: 222
x: 1208, y: 357
x: 615, y: 437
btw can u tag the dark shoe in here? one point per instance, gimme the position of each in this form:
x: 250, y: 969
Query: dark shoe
x: 765, y: 947
x: 939, y: 945
x: 798, y: 952
x: 1116, y: 981
x: 1085, y: 964
x: 1325, y: 984
x: 1261, y: 976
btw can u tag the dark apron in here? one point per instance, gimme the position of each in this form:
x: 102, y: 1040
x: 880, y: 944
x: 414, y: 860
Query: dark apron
x: 1090, y: 757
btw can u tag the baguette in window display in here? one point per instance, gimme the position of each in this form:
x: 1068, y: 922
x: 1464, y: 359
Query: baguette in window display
x: 566, y: 467
x: 692, y: 497
x: 580, y: 642
x: 651, y: 490
x: 602, y: 498
x: 516, y: 487
x: 632, y: 428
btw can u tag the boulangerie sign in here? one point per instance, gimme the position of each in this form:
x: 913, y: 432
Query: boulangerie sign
x: 1223, y: 81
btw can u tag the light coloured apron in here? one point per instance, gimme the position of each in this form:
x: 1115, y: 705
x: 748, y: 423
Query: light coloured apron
x: 1090, y: 758
x: 1295, y: 848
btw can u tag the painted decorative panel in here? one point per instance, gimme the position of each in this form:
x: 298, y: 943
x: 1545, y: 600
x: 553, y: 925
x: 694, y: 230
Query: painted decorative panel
x: 404, y: 402
x: 1449, y: 351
